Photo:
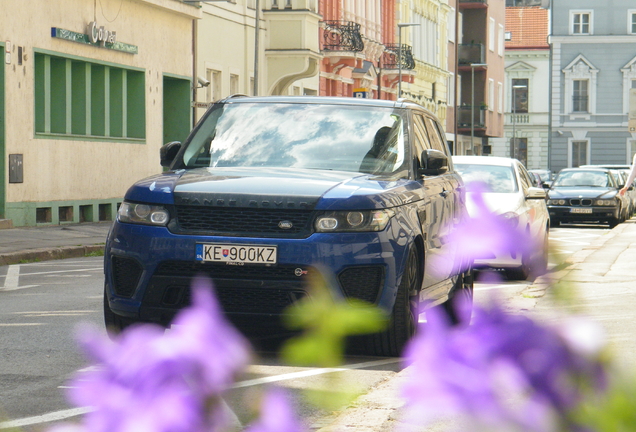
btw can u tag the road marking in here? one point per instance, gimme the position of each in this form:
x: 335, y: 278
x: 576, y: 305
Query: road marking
x: 19, y: 324
x: 63, y: 271
x: 12, y: 279
x: 45, y: 418
x: 61, y: 415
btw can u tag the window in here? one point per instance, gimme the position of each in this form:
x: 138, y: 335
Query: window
x: 451, y: 26
x: 234, y: 84
x: 579, y: 153
x: 500, y: 98
x: 580, y: 95
x: 491, y: 94
x: 631, y: 21
x: 450, y: 90
x: 632, y: 151
x: 214, y: 89
x: 491, y: 34
x: 519, y: 95
x: 502, y: 42
x: 581, y: 22
x: 79, y: 98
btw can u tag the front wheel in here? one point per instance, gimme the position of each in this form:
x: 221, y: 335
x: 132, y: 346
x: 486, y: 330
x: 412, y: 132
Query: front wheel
x: 458, y: 307
x: 404, y: 318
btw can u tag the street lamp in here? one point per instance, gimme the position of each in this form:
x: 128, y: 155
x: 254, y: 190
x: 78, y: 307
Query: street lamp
x: 400, y: 25
x: 472, y: 104
x: 513, y: 144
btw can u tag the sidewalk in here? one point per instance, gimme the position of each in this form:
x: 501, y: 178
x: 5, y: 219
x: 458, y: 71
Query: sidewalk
x: 599, y: 276
x: 51, y: 242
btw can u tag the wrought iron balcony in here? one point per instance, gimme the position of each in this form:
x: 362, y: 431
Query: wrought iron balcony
x: 342, y: 36
x: 391, y: 57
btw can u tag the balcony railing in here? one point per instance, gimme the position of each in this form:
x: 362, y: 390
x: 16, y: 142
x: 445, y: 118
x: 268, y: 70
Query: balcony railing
x: 474, y: 3
x: 527, y: 119
x: 464, y: 117
x: 471, y: 53
x: 342, y: 36
x: 391, y: 57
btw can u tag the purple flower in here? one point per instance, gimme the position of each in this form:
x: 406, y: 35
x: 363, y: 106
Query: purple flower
x: 151, y: 380
x: 502, y: 370
x: 277, y: 414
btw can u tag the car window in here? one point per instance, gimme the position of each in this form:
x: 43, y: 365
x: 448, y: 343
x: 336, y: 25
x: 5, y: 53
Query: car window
x: 583, y: 178
x: 295, y: 135
x: 525, y: 177
x: 494, y: 178
x: 436, y: 141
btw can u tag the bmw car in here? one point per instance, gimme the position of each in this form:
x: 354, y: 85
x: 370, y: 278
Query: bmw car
x: 268, y: 195
x: 583, y: 195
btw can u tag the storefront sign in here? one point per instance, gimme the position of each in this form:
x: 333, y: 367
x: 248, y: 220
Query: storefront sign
x: 96, y: 36
x: 361, y: 93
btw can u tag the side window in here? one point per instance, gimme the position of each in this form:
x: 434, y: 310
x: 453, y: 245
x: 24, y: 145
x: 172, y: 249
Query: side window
x: 434, y: 134
x: 526, y: 180
x: 422, y: 141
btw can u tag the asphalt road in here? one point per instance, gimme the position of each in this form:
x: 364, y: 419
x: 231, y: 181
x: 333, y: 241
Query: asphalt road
x: 42, y: 305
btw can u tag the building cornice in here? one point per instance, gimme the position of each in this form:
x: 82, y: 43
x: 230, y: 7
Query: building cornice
x: 610, y: 39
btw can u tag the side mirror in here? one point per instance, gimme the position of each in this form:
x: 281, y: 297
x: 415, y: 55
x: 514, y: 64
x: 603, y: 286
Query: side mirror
x: 168, y: 152
x: 536, y: 193
x: 434, y: 162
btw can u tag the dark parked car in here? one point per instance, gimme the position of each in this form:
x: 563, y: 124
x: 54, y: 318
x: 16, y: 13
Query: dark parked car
x: 585, y: 195
x: 270, y: 193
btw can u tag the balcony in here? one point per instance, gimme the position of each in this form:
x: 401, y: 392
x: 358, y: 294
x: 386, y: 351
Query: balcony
x: 473, y: 4
x: 342, y: 36
x: 471, y: 53
x: 527, y: 119
x: 391, y: 57
x: 464, y: 122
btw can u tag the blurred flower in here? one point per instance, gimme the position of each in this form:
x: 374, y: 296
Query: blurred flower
x: 277, y: 414
x: 505, y: 372
x: 151, y: 380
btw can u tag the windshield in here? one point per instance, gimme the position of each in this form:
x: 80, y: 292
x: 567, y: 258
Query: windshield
x: 583, y: 178
x: 495, y: 178
x: 334, y: 137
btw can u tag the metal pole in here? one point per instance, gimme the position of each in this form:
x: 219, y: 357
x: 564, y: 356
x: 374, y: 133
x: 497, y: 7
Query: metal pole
x: 399, y: 61
x: 513, y: 145
x: 256, y: 50
x: 472, y: 109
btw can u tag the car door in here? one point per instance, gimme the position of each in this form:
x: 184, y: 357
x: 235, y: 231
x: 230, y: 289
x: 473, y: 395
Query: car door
x: 433, y: 219
x: 535, y: 210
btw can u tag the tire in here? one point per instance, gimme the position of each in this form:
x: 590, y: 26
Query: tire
x: 115, y: 324
x: 461, y: 296
x: 613, y: 222
x: 540, y: 262
x: 404, y: 318
x: 522, y: 272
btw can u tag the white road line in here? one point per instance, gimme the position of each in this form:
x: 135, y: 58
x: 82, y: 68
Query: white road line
x: 45, y: 418
x: 61, y: 415
x: 12, y: 279
x: 63, y: 271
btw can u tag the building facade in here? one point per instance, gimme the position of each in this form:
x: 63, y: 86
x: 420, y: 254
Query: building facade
x: 480, y: 69
x: 526, y: 90
x: 88, y: 94
x: 593, y: 72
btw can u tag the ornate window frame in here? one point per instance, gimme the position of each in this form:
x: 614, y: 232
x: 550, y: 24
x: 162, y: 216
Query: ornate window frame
x: 580, y: 69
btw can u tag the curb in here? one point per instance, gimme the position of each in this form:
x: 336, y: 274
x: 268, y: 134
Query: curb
x: 35, y: 255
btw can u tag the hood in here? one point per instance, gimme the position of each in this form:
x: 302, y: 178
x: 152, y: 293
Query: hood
x: 273, y: 188
x: 579, y: 192
x: 497, y: 203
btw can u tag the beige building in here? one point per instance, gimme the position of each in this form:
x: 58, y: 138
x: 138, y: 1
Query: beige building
x: 89, y: 91
x: 284, y: 59
x: 429, y: 41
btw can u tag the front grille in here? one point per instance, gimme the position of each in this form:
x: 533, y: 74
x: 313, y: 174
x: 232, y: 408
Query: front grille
x: 363, y: 283
x: 243, y: 221
x: 247, y: 272
x: 581, y: 202
x: 126, y: 274
x: 240, y: 300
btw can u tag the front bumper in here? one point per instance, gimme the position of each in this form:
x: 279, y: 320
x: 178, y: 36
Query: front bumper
x: 149, y: 270
x: 576, y: 214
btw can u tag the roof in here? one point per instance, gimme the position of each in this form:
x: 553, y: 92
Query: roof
x: 483, y: 160
x: 528, y: 28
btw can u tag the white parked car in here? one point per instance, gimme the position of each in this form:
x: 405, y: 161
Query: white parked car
x: 509, y: 191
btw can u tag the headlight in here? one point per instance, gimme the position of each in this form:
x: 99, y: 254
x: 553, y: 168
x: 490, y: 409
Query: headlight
x: 353, y: 221
x: 607, y: 202
x: 143, y: 214
x: 556, y: 202
x: 510, y: 218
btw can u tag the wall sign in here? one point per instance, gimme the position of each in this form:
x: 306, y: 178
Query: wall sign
x: 96, y: 36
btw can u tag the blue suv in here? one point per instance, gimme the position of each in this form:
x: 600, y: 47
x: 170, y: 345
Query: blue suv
x: 269, y: 193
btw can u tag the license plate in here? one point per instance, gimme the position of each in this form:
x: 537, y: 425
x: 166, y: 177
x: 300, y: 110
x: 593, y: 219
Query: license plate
x: 236, y: 254
x: 581, y: 210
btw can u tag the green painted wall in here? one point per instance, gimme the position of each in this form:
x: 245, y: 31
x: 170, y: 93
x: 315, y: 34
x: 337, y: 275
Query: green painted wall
x: 176, y: 109
x: 61, y: 212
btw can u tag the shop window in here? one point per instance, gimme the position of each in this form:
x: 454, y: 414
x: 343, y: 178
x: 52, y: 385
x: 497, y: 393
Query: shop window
x: 78, y: 98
